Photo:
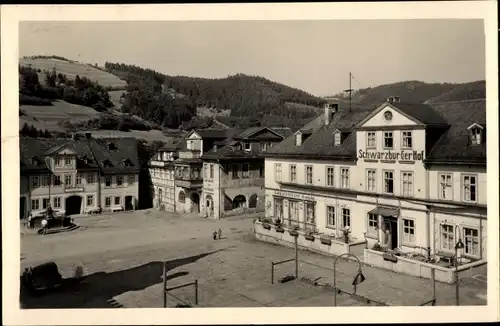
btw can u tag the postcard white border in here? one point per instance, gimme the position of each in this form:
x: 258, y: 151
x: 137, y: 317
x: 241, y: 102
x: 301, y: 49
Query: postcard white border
x: 11, y: 15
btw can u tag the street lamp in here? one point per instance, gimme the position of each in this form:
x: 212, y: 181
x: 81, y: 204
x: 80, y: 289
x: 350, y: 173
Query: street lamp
x: 358, y: 279
x: 459, y: 245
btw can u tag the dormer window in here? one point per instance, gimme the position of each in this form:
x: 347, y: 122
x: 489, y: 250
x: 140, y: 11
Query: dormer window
x: 337, y: 138
x: 107, y: 163
x: 298, y: 139
x: 247, y: 146
x: 127, y: 162
x: 111, y: 146
x: 476, y: 134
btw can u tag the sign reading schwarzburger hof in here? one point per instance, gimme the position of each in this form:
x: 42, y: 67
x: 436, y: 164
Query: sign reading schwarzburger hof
x: 388, y: 155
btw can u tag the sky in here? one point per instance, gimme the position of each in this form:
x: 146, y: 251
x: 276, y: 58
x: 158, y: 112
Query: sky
x: 313, y: 55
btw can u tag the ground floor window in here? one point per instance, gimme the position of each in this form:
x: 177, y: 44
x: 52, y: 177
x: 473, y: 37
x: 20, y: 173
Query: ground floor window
x: 447, y: 237
x: 57, y: 202
x: 90, y: 200
x: 117, y: 200
x: 330, y: 216
x: 35, y: 204
x: 293, y: 213
x: 278, y: 208
x: 45, y: 203
x: 471, y: 241
x: 310, y: 222
x: 372, y: 225
x: 408, y: 231
x: 107, y: 201
x: 346, y: 217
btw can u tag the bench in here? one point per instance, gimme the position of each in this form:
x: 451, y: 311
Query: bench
x: 92, y: 210
x: 117, y: 208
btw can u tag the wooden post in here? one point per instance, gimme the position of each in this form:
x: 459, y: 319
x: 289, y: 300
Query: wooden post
x: 272, y: 272
x: 164, y: 284
x: 296, y: 257
x: 433, y: 280
x: 196, y: 292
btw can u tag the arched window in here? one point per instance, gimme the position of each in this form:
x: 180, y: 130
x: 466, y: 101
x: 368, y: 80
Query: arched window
x: 182, y: 197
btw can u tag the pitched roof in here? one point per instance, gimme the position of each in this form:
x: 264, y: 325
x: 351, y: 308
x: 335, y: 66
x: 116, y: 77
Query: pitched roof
x: 253, y: 130
x: 422, y: 112
x: 211, y: 133
x: 124, y: 158
x: 229, y: 152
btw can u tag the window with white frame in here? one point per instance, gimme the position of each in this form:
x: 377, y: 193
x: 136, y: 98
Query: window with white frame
x: 107, y: 181
x: 45, y: 180
x: 388, y: 140
x: 57, y: 202
x: 407, y: 139
x: 408, y: 231
x: 35, y: 204
x: 90, y: 200
x: 68, y: 161
x: 293, y: 173
x: 278, y: 208
x: 389, y: 182
x: 247, y: 146
x: 336, y: 139
x: 211, y: 171
x: 277, y: 172
x: 45, y: 202
x: 245, y: 169
x: 107, y: 201
x: 205, y: 171
x: 371, y: 140
x: 475, y: 135
x: 68, y: 180
x: 346, y: 218
x: 330, y: 216
x: 445, y: 186
x: 131, y: 179
x: 447, y: 237
x: 57, y: 181
x: 57, y: 161
x: 90, y: 179
x: 235, y: 171
x: 78, y: 179
x: 310, y: 222
x: 293, y: 212
x: 309, y: 174
x: 117, y: 200
x: 330, y: 173
x: 372, y: 225
x: 344, y: 177
x: 35, y: 181
x: 119, y: 180
x: 471, y: 241
x: 371, y: 180
x: 470, y: 188
x: 407, y: 179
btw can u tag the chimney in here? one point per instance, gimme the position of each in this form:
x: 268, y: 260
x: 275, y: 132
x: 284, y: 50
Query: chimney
x: 330, y: 110
x: 396, y: 99
x: 390, y: 99
x: 74, y: 136
x: 88, y: 135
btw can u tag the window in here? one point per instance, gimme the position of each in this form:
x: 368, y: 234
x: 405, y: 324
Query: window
x: 445, y: 186
x: 107, y: 201
x: 298, y: 139
x: 277, y: 172
x: 78, y: 179
x: 310, y: 223
x: 235, y: 171
x: 68, y: 161
x: 45, y: 180
x: 372, y: 225
x: 117, y: 200
x: 57, y: 181
x: 211, y: 171
x: 278, y: 208
x: 35, y: 182
x: 35, y: 204
x: 389, y: 182
x: 330, y: 216
x: 407, y: 139
x: 245, y: 170
x: 119, y: 180
x: 336, y: 139
x: 475, y: 136
x: 45, y: 203
x: 293, y: 214
x: 309, y: 174
x: 330, y: 176
x: 90, y: 200
x: 68, y: 180
x: 371, y: 140
x: 264, y: 146
x: 57, y: 161
x: 205, y: 171
x: 408, y: 231
x: 388, y: 140
x: 371, y: 180
x: 248, y: 146
x: 470, y: 188
x: 107, y: 181
x: 407, y: 183
x: 344, y: 177
x: 57, y: 202
x: 346, y: 217
x: 471, y: 241
x: 447, y: 237
x: 131, y: 179
x: 293, y: 173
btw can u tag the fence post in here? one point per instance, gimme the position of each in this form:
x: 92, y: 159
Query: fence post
x: 433, y: 280
x: 164, y: 284
x: 296, y: 257
x: 272, y: 272
x: 196, y: 292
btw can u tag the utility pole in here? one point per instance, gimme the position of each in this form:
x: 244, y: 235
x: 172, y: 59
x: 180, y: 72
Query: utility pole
x: 349, y: 91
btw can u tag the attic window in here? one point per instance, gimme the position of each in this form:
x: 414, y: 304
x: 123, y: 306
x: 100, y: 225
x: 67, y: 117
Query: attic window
x: 107, y: 163
x: 247, y: 146
x: 337, y: 139
x: 476, y: 134
x: 298, y: 139
x: 111, y: 146
x: 127, y: 162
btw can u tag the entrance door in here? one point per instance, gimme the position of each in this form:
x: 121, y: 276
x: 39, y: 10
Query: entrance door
x: 391, y: 232
x: 22, y: 207
x: 210, y: 206
x: 195, y: 202
x: 73, y: 205
x: 129, y: 203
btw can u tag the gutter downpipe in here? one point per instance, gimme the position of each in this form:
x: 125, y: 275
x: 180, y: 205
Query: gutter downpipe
x: 428, y: 213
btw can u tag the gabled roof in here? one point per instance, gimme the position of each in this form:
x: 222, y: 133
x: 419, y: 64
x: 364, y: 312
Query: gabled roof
x: 477, y: 125
x: 254, y: 130
x: 229, y: 152
x: 210, y: 133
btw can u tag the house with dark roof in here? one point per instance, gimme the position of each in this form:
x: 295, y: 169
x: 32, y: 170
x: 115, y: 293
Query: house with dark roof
x: 233, y: 171
x: 78, y: 175
x: 400, y: 177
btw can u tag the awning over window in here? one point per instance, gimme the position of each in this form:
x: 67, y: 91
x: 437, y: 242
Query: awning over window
x: 385, y: 211
x: 245, y: 191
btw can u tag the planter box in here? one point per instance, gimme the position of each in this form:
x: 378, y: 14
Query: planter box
x: 325, y: 241
x: 309, y: 237
x: 294, y: 233
x: 266, y: 226
x: 279, y: 229
x: 390, y: 257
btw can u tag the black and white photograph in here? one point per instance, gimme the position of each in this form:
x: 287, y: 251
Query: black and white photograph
x: 250, y: 163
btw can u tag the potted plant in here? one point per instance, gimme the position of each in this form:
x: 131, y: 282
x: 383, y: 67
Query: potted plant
x: 377, y: 247
x: 326, y: 240
x: 345, y: 234
x: 279, y: 228
x: 266, y: 226
x: 294, y: 231
x: 309, y: 236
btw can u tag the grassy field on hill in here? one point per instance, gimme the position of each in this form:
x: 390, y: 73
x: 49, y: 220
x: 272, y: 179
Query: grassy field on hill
x: 71, y: 69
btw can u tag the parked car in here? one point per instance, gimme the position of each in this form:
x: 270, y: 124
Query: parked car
x: 42, y: 277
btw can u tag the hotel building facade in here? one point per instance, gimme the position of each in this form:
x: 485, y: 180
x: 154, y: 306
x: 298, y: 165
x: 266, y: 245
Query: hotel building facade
x: 408, y: 177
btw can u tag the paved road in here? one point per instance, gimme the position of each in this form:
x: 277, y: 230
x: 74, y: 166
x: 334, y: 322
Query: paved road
x: 122, y: 255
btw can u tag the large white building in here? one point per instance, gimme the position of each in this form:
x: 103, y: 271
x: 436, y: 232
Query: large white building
x: 410, y: 177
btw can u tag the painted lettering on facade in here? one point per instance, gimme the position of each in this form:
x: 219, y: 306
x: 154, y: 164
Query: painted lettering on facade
x: 405, y: 156
x: 293, y: 195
